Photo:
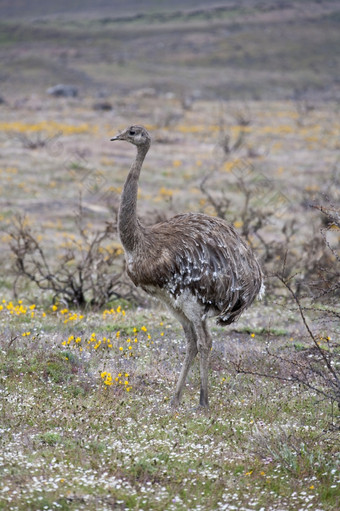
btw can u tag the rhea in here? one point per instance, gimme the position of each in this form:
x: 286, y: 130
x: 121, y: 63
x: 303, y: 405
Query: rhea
x: 196, y: 264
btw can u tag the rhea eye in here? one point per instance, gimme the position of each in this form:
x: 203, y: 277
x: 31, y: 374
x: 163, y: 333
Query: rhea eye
x: 131, y: 132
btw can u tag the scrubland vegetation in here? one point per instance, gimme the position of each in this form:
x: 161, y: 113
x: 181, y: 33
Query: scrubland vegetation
x: 88, y: 363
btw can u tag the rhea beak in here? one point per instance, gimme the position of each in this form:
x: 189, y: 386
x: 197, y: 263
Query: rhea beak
x: 117, y: 137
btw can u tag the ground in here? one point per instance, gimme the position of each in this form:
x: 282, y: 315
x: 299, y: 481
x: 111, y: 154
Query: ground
x: 244, y: 125
x: 86, y: 422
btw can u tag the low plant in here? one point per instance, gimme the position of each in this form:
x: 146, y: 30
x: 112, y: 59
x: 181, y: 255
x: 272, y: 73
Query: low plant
x: 316, y: 363
x: 87, y: 271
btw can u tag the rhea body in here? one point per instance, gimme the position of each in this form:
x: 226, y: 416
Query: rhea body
x: 197, y: 265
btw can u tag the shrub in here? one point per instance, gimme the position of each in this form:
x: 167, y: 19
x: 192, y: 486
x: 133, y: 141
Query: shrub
x: 87, y: 271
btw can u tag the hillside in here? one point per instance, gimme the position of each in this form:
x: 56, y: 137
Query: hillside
x: 242, y: 50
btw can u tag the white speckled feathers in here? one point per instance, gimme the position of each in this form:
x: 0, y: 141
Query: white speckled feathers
x: 202, y: 254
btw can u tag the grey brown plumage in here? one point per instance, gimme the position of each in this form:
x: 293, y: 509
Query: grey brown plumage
x: 198, y: 265
x: 202, y: 254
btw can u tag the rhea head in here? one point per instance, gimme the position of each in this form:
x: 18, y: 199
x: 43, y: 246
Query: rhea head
x: 136, y: 135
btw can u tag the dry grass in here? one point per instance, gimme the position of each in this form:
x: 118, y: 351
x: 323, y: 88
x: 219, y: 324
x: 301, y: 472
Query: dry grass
x: 85, y: 422
x: 73, y: 436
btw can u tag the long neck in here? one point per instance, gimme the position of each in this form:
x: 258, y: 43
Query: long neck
x: 127, y: 219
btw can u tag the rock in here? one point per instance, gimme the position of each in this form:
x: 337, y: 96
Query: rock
x: 102, y: 105
x: 147, y: 92
x: 63, y: 91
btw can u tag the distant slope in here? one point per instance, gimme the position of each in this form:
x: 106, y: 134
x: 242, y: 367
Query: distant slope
x: 241, y: 49
x: 87, y: 8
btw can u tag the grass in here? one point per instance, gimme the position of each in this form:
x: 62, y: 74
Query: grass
x: 70, y: 441
x: 85, y: 421
x: 263, y: 331
x: 72, y: 437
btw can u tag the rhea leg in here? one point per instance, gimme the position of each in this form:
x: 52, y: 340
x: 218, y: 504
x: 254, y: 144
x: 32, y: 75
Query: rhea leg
x: 191, y: 353
x: 204, y: 348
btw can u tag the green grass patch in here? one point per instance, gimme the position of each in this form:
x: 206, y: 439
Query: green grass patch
x: 263, y: 331
x: 83, y: 443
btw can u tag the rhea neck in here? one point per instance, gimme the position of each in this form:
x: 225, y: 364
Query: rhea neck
x: 128, y: 224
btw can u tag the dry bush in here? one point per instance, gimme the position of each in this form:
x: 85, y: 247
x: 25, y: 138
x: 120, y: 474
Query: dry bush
x: 32, y: 141
x: 326, y: 283
x: 235, y: 190
x: 167, y: 117
x: 242, y: 116
x: 304, y: 273
x: 86, y: 271
x: 316, y: 363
